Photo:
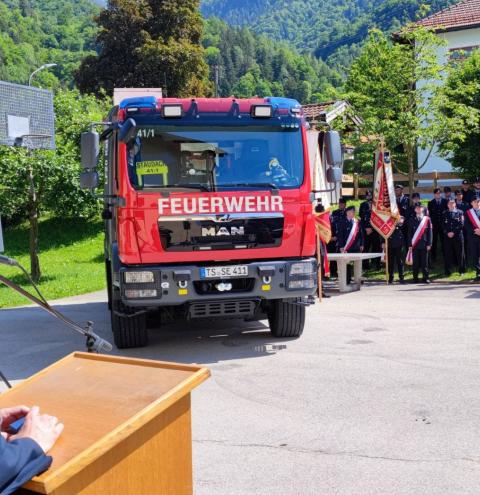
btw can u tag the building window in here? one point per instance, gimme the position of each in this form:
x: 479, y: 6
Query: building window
x: 460, y: 54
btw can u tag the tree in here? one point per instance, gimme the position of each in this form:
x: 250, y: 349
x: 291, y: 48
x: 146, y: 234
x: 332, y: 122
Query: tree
x: 395, y: 87
x: 147, y: 43
x: 38, y: 182
x: 461, y: 108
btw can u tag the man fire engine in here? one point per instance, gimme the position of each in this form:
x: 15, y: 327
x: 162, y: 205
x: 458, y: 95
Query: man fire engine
x: 208, y: 211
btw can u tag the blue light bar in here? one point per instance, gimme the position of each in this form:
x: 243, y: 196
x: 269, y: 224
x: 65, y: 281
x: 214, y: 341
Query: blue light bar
x: 284, y: 104
x: 139, y: 102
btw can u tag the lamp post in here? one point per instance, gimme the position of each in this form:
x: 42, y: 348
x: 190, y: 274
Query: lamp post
x: 44, y: 66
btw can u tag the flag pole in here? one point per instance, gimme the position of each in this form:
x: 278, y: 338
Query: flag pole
x: 386, y: 259
x: 319, y: 270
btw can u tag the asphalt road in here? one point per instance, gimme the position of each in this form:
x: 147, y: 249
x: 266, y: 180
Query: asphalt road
x: 379, y: 396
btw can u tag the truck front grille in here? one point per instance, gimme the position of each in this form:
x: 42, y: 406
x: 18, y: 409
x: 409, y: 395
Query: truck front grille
x: 217, y: 309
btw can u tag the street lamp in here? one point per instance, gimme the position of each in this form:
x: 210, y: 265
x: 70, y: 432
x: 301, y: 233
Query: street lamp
x: 44, y: 66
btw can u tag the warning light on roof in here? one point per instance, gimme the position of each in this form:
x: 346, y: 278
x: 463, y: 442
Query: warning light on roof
x: 262, y: 111
x: 172, y: 111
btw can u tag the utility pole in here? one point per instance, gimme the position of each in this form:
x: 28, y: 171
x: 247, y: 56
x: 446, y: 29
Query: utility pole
x: 217, y: 78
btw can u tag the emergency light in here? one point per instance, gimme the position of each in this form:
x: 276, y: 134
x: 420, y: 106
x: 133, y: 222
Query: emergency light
x: 262, y: 111
x: 172, y: 111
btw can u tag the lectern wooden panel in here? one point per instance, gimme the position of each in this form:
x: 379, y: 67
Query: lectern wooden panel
x: 127, y: 425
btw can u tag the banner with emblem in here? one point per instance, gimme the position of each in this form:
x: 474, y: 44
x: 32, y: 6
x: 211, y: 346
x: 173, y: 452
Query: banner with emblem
x: 384, y: 209
x: 324, y: 232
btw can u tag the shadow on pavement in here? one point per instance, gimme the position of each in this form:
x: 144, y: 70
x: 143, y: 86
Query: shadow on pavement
x: 30, y: 339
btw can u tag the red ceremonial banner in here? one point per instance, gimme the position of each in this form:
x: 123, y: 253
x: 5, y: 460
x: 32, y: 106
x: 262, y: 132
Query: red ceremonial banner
x: 384, y: 210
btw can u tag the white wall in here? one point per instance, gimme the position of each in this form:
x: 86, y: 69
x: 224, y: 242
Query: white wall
x: 455, y: 39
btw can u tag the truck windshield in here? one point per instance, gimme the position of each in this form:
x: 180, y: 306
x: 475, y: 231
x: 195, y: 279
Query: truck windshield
x: 214, y: 158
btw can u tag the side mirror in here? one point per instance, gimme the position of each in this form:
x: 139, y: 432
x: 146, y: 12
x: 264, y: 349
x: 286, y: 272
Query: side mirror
x: 90, y: 149
x: 89, y: 180
x: 333, y: 149
x: 334, y: 175
x: 128, y: 131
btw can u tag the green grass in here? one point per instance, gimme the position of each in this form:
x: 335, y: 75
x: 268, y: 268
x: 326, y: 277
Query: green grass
x: 71, y: 259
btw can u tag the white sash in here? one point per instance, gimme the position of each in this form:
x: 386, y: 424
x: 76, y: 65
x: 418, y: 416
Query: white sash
x: 420, y: 230
x: 352, y: 236
x: 474, y: 220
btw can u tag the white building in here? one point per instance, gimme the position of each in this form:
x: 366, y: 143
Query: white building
x: 459, y: 26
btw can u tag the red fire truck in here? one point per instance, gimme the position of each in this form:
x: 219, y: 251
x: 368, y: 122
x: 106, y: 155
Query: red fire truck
x: 208, y: 211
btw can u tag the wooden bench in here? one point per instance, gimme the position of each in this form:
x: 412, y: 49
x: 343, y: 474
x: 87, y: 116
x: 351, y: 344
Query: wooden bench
x: 342, y: 260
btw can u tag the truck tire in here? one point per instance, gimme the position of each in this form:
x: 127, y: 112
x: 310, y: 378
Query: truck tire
x: 129, y: 330
x: 286, y: 319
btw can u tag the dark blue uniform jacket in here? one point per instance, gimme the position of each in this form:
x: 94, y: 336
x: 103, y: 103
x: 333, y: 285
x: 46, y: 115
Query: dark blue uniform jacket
x: 20, y: 461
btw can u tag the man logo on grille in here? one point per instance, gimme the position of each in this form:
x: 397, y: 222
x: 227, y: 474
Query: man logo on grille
x: 222, y: 231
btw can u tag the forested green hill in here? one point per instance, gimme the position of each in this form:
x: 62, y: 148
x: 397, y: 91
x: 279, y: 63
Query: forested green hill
x: 34, y: 32
x: 332, y: 29
x: 251, y: 64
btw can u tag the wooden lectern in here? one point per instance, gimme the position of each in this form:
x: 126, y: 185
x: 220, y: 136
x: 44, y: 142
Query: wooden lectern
x: 127, y: 425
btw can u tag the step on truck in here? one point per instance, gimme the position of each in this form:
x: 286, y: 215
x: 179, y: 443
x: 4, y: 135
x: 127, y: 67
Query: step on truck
x: 208, y: 210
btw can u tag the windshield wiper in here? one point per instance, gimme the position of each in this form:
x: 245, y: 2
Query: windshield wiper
x: 250, y: 184
x: 202, y: 187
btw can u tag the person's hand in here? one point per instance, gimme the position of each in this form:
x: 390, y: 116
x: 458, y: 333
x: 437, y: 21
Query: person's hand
x: 334, y: 238
x: 368, y: 230
x: 383, y: 245
x: 342, y: 250
x: 429, y: 247
x: 450, y: 234
x: 41, y: 428
x: 9, y: 416
x: 361, y: 249
x: 477, y: 231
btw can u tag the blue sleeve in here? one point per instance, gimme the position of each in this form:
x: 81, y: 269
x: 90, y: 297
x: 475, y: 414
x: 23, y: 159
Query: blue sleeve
x: 20, y: 461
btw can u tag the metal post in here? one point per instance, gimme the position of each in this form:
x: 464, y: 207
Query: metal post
x: 217, y: 79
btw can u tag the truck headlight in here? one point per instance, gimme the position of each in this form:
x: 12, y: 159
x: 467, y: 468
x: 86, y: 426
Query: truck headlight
x: 302, y: 268
x: 139, y: 277
x: 304, y: 283
x: 138, y: 294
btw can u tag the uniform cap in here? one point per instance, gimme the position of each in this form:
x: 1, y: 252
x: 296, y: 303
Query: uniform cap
x: 350, y: 208
x: 418, y: 205
x: 474, y: 198
x: 399, y: 186
x: 465, y: 182
x: 477, y: 179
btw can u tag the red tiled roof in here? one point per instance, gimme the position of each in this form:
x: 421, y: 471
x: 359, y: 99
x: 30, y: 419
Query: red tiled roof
x: 465, y: 14
x: 315, y: 110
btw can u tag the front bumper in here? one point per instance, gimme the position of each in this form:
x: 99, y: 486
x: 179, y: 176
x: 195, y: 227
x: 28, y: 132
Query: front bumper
x: 173, y: 285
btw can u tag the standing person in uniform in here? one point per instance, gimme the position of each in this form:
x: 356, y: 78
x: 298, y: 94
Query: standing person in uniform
x: 452, y: 227
x: 467, y: 192
x: 461, y: 204
x: 396, y: 242
x: 335, y: 219
x: 371, y: 237
x: 350, y: 237
x: 403, y: 204
x: 420, y: 240
x: 476, y: 188
x: 436, y: 207
x: 402, y: 200
x: 472, y: 226
x: 463, y: 207
x: 447, y: 193
x: 411, y: 208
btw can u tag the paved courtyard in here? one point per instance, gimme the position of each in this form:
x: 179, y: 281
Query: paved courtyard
x: 381, y: 395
